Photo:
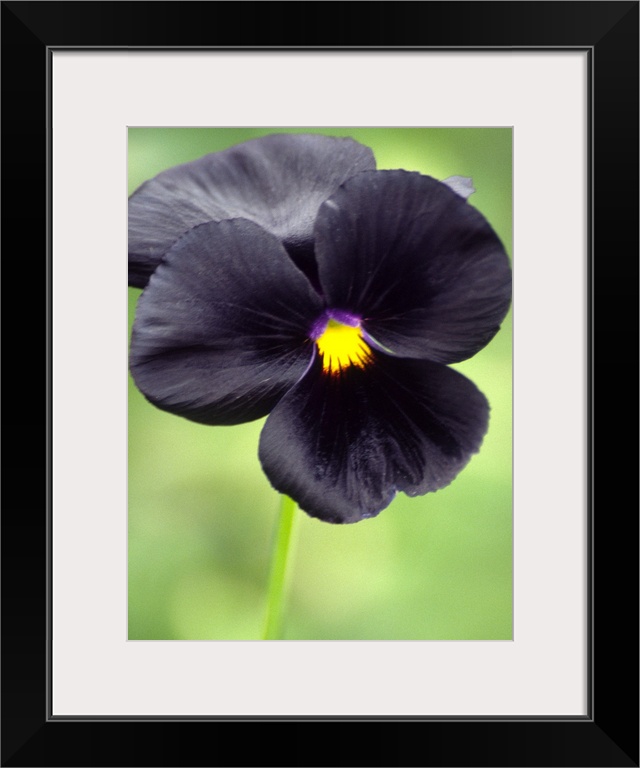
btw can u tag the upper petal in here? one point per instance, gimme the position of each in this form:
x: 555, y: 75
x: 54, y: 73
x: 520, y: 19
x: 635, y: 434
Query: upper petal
x: 461, y: 185
x: 278, y: 181
x: 222, y: 329
x: 341, y: 446
x: 420, y: 265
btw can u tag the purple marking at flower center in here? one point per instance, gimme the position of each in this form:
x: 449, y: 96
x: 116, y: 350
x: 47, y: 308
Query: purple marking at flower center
x: 339, y: 315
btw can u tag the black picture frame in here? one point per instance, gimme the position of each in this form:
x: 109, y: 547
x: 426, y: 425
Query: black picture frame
x: 608, y: 735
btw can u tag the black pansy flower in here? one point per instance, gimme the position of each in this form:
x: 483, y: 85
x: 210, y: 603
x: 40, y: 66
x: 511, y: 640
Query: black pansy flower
x: 286, y: 277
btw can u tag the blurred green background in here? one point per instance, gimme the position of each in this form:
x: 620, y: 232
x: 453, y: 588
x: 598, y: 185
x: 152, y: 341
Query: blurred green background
x: 202, y: 515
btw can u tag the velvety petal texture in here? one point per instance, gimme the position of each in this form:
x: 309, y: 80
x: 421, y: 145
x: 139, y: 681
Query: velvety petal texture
x: 342, y: 446
x: 421, y: 266
x: 222, y: 329
x: 277, y: 181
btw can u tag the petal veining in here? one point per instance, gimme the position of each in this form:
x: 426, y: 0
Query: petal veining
x: 221, y: 330
x: 342, y: 446
x: 419, y: 264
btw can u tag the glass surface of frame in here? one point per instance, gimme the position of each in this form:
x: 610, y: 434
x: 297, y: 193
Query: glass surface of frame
x: 547, y: 667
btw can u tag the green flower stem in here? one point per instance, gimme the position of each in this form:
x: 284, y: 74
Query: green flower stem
x: 275, y: 595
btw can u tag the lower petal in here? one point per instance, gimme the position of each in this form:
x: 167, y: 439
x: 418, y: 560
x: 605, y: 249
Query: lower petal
x: 343, y: 445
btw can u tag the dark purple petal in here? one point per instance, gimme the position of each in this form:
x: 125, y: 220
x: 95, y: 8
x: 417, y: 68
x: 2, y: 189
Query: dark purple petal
x: 342, y: 445
x: 420, y: 265
x: 278, y: 181
x: 222, y: 329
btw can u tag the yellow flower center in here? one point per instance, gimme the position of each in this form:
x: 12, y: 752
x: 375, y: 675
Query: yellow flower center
x: 341, y: 346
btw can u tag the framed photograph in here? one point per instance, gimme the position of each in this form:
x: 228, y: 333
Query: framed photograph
x: 345, y: 582
x: 482, y: 620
